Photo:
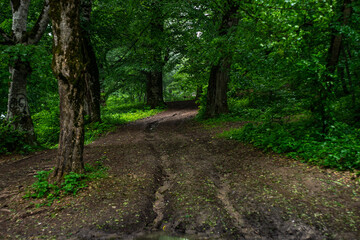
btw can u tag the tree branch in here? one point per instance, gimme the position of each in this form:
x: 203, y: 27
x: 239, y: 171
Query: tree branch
x: 7, y: 39
x: 40, y: 26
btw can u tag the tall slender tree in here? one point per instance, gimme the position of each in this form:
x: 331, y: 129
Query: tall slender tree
x: 332, y: 60
x: 18, y: 108
x: 220, y: 71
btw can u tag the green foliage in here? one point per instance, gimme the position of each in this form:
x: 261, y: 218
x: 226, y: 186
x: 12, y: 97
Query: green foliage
x: 72, y: 184
x: 12, y: 140
x: 340, y: 148
x: 47, y: 126
x: 114, y: 113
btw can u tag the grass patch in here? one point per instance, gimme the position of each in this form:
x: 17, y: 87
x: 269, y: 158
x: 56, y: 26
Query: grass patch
x: 115, y: 114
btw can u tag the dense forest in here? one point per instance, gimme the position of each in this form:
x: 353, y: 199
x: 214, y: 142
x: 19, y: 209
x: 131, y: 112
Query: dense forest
x: 186, y: 119
x: 289, y: 68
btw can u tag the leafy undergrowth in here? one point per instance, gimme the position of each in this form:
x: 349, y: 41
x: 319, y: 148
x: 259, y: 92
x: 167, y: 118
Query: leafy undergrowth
x: 339, y: 149
x: 114, y: 113
x: 285, y: 127
x: 11, y: 140
x: 72, y: 184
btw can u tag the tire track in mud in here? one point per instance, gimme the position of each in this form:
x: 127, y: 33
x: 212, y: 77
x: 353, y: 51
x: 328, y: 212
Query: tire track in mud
x: 171, y: 173
x: 237, y: 219
x: 167, y: 177
x: 190, y: 174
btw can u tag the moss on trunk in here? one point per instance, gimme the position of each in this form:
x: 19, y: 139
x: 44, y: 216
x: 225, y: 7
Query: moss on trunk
x: 69, y: 66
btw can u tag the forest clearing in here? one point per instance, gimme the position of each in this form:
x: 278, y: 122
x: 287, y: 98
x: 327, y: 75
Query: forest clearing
x: 171, y: 176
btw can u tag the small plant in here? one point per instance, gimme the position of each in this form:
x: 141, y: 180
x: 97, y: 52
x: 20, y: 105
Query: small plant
x: 72, y: 184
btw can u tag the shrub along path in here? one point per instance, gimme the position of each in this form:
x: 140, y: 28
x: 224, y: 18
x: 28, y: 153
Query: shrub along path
x: 168, y: 175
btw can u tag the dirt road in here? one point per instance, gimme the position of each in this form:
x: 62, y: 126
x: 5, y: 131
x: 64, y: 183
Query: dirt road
x: 171, y: 177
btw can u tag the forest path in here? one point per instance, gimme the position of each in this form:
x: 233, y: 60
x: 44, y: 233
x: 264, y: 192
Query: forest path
x: 170, y: 176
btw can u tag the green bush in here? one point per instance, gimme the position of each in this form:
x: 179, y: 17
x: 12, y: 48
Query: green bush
x: 11, y: 140
x: 340, y: 148
x: 47, y: 126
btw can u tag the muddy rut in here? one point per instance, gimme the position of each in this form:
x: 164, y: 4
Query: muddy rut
x: 171, y: 177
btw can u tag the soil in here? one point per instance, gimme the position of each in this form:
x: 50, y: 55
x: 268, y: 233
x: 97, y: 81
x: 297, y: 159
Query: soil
x: 170, y: 176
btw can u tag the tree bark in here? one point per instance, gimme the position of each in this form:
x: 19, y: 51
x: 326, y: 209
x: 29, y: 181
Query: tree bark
x: 92, y: 96
x: 18, y: 108
x: 69, y: 67
x: 220, y: 73
x: 217, y: 89
x: 154, y: 89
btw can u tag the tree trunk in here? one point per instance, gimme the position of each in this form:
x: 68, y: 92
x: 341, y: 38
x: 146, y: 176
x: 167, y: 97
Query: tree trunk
x: 154, y: 89
x: 332, y: 62
x: 18, y: 106
x: 92, y: 96
x: 217, y: 89
x: 336, y: 42
x: 69, y: 67
x: 154, y: 77
x: 220, y: 73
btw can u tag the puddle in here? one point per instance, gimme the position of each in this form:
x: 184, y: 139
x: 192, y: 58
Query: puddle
x: 161, y: 236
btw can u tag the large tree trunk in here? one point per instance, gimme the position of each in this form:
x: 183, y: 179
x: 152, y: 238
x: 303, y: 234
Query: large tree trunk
x: 92, y: 96
x: 216, y: 102
x: 69, y: 67
x: 154, y: 89
x: 217, y: 89
x: 18, y: 106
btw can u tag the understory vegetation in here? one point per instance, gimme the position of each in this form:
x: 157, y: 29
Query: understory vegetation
x: 47, y: 126
x: 72, y: 184
x: 294, y: 131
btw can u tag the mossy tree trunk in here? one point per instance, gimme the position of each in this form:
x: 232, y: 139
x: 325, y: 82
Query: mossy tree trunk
x: 92, y: 96
x: 18, y: 107
x: 69, y: 66
x: 216, y: 102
